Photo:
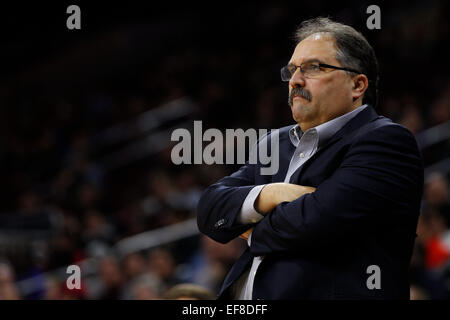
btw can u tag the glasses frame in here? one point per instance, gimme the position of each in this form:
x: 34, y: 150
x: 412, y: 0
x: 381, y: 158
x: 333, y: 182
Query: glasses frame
x: 321, y: 65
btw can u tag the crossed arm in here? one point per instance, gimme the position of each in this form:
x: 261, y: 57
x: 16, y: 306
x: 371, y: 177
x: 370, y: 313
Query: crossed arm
x: 378, y: 184
x: 275, y: 193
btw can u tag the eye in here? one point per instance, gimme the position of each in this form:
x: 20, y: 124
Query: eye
x: 292, y: 68
x: 314, y: 67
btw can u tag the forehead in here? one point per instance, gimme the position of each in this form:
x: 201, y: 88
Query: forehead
x: 317, y: 46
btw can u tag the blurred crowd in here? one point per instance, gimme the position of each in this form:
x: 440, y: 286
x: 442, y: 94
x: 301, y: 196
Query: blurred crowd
x: 61, y: 205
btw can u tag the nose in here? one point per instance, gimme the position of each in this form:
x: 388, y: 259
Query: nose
x: 297, y: 79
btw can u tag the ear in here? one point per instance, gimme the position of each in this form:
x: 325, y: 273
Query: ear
x: 360, y: 85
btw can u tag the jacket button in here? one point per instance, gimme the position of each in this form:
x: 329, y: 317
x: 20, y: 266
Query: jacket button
x: 220, y: 223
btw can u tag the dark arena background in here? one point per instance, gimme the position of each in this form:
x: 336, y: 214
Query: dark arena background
x: 86, y: 117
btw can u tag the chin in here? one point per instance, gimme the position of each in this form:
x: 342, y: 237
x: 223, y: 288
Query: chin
x: 298, y: 117
x: 299, y: 112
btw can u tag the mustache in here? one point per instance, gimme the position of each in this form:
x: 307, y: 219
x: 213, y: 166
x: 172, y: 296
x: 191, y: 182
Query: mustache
x: 299, y: 91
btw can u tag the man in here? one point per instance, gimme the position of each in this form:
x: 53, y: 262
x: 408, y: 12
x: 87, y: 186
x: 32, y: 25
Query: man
x: 338, y: 220
x: 188, y: 291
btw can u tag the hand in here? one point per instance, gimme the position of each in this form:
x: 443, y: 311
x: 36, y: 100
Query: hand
x: 246, y: 234
x: 275, y: 193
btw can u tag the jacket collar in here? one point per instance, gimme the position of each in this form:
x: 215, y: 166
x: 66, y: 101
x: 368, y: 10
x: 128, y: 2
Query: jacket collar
x: 365, y: 116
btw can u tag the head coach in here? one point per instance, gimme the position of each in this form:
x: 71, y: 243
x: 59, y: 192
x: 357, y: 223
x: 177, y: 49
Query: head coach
x: 345, y: 201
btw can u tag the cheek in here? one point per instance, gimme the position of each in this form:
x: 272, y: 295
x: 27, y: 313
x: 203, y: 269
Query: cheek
x: 337, y: 90
x: 321, y: 91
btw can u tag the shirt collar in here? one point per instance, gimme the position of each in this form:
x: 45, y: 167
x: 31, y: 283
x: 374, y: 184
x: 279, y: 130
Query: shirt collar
x: 325, y: 130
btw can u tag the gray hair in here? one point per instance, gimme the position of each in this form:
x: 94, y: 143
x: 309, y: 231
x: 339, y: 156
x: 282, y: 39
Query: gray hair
x: 353, y: 50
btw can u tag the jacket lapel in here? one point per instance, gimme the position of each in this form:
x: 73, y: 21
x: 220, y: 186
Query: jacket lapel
x: 285, y: 154
x: 236, y: 271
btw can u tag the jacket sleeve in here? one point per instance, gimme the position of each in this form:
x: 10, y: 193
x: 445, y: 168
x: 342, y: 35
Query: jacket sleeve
x: 379, y: 181
x: 221, y: 203
x: 219, y: 207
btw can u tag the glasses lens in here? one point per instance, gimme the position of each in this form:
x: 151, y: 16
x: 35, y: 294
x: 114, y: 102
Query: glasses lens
x: 311, y: 69
x: 285, y: 74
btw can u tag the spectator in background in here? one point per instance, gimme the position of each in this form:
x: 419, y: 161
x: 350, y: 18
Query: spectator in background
x: 161, y: 264
x: 97, y: 228
x: 437, y: 246
x: 111, y: 277
x: 417, y: 293
x: 437, y: 196
x: 412, y: 119
x: 139, y: 283
x: 147, y: 288
x: 423, y: 280
x: 440, y: 110
x: 8, y: 289
x: 188, y: 291
x: 187, y: 192
x: 133, y: 265
x: 208, y: 267
x: 430, y: 258
x: 53, y: 289
x: 434, y: 228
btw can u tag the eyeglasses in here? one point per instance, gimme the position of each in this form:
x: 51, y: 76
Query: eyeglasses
x: 309, y: 70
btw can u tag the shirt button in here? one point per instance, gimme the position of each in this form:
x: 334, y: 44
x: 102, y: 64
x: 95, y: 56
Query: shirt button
x: 302, y: 155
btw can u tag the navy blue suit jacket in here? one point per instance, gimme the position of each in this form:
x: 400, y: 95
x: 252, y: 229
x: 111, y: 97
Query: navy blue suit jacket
x: 369, y: 180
